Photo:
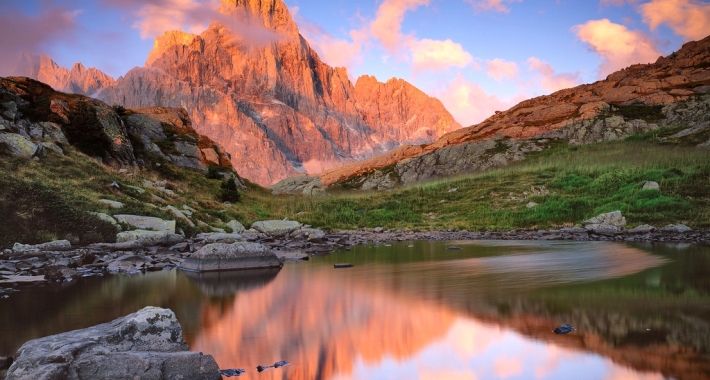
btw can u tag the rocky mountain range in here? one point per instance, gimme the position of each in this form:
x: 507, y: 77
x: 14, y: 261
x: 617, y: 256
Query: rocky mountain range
x: 273, y: 104
x: 78, y: 80
x: 673, y: 92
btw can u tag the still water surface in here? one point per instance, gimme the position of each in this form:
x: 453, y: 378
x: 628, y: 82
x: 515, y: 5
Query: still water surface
x: 417, y: 310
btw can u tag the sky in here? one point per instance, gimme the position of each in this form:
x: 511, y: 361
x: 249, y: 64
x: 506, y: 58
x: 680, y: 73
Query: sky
x: 476, y: 56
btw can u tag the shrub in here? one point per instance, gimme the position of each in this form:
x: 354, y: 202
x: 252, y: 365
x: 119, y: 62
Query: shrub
x: 228, y: 190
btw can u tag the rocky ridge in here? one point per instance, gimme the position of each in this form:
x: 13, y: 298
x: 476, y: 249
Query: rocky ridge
x: 36, y: 121
x: 275, y: 106
x: 78, y: 80
x: 672, y: 92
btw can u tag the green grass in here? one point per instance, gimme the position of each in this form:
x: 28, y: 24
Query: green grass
x: 582, y: 182
x: 49, y: 199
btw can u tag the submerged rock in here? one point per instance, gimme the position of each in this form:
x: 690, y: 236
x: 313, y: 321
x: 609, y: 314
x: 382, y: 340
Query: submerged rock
x: 146, y: 345
x: 236, y: 256
x: 564, y: 329
x: 232, y: 372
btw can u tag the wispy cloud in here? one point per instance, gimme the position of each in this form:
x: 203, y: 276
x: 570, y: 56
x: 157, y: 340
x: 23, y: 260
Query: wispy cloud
x: 471, y: 104
x: 549, y: 79
x: 154, y: 17
x: 33, y: 33
x: 492, y: 5
x: 687, y: 18
x: 618, y: 46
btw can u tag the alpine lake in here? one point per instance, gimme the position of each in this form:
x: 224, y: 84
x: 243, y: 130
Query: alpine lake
x: 419, y: 310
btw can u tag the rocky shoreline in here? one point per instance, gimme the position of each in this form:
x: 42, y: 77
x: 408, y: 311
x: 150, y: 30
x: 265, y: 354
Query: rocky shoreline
x: 60, y: 262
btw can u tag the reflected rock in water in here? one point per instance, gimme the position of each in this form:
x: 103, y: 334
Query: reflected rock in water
x: 235, y: 256
x: 221, y: 284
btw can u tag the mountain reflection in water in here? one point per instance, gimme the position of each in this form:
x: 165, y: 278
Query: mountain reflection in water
x: 419, y: 311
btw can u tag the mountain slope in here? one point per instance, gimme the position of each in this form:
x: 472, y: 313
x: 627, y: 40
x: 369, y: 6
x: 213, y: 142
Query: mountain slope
x: 672, y: 92
x: 274, y: 105
x: 78, y: 80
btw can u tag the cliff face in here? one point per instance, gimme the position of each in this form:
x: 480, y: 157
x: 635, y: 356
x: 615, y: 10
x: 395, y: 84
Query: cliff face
x: 78, y: 80
x: 672, y: 92
x: 270, y: 100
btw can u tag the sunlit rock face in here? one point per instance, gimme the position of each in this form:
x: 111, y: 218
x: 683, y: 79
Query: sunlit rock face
x: 265, y: 95
x: 78, y: 80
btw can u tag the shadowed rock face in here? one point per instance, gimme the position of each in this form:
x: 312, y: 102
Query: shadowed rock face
x: 274, y: 105
x: 675, y: 90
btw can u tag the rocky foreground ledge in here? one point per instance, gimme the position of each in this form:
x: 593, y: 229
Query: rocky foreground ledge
x: 146, y: 345
x: 273, y: 242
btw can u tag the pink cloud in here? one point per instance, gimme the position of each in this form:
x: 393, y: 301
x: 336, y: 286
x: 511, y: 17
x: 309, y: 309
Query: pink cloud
x: 434, y: 54
x: 154, y: 17
x: 20, y: 32
x: 469, y: 103
x: 687, y: 18
x: 618, y: 46
x: 500, y: 68
x: 548, y: 79
x: 492, y: 5
x: 334, y: 51
x: 387, y: 25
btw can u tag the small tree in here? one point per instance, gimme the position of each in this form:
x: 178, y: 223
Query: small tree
x: 229, y: 192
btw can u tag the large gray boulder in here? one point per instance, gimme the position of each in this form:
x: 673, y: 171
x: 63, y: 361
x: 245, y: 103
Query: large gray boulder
x: 56, y: 245
x: 276, y: 227
x: 236, y: 227
x: 149, y: 238
x: 146, y: 345
x: 147, y: 222
x: 605, y: 224
x: 16, y: 145
x: 236, y: 256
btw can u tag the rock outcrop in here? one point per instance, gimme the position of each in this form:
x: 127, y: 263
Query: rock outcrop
x: 227, y: 257
x: 274, y: 106
x: 673, y: 91
x: 147, y: 345
x: 78, y: 80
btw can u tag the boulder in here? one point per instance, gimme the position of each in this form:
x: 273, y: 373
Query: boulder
x: 678, y: 228
x: 146, y: 345
x: 531, y: 205
x: 219, y: 237
x: 16, y: 145
x: 57, y: 245
x: 147, y: 222
x: 106, y: 218
x: 651, y: 185
x: 149, y: 238
x: 60, y: 273
x: 174, y: 211
x: 110, y: 203
x: 642, y: 229
x: 276, y: 227
x: 605, y: 224
x: 236, y: 256
x: 128, y: 264
x: 236, y: 226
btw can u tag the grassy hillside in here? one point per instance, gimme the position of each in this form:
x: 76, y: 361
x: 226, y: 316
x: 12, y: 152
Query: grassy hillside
x: 569, y: 184
x: 49, y: 199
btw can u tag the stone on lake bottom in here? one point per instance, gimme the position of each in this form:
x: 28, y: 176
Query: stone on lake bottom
x: 564, y: 329
x: 343, y: 265
x: 232, y: 372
